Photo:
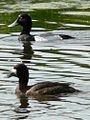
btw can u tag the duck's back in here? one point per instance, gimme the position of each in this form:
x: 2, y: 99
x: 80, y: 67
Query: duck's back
x: 50, y: 88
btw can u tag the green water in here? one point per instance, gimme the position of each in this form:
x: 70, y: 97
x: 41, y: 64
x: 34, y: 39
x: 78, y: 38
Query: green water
x: 51, y: 15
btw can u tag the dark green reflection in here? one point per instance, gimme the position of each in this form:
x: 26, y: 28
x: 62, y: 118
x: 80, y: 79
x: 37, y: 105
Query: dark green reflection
x: 49, y: 19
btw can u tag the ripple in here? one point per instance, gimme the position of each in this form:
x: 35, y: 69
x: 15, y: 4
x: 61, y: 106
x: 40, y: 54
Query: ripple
x: 53, y: 60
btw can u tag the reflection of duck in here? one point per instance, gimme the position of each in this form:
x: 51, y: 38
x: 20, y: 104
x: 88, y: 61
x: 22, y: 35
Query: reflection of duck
x: 27, y: 51
x: 24, y: 102
x: 43, y: 88
x: 23, y: 105
x: 25, y: 21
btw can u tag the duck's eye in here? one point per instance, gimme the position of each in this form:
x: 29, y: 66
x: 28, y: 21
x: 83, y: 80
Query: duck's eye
x: 20, y: 18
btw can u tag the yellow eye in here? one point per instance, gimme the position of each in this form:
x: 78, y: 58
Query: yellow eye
x: 20, y: 18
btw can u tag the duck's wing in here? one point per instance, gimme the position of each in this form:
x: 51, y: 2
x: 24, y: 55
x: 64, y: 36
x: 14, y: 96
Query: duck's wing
x: 50, y: 88
x: 48, y: 84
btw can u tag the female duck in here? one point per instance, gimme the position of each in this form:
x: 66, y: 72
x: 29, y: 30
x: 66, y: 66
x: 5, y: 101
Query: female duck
x: 43, y: 88
x: 25, y: 21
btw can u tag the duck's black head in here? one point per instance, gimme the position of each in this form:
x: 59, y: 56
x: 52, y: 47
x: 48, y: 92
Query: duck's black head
x: 25, y: 21
x: 21, y: 71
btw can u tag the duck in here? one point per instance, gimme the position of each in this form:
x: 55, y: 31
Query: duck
x: 26, y: 22
x: 42, y: 88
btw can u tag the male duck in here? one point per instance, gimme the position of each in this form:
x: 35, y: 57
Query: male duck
x: 43, y: 88
x: 25, y: 21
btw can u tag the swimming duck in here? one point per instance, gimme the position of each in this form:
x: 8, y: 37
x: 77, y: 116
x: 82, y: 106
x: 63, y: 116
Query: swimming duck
x: 42, y: 88
x: 25, y: 21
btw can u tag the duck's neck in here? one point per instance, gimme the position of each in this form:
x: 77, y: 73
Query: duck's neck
x: 23, y: 84
x: 26, y: 30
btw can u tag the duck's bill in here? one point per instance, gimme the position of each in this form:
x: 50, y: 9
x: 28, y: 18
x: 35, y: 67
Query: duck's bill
x: 12, y: 73
x: 15, y: 23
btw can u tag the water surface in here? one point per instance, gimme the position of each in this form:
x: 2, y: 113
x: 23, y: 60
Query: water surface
x: 49, y: 59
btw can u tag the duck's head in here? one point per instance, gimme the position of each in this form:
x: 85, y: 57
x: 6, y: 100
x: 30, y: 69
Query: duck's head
x: 24, y: 20
x: 20, y: 71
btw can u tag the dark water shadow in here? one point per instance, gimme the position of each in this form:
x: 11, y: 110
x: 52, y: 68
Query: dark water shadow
x: 24, y: 102
x: 23, y: 107
x: 27, y: 51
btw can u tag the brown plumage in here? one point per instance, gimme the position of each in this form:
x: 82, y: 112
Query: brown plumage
x: 43, y: 88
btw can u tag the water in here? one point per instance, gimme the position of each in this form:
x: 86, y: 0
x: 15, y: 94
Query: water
x: 53, y: 60
x: 49, y: 59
